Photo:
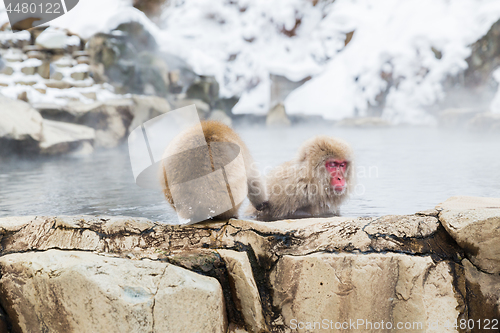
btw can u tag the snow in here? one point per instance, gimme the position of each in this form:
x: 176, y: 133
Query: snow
x: 242, y: 42
x: 52, y: 38
x: 396, y: 38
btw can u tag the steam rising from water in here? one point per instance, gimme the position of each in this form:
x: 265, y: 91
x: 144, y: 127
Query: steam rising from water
x: 400, y: 171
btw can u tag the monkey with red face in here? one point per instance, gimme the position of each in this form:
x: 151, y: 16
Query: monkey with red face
x: 314, y: 184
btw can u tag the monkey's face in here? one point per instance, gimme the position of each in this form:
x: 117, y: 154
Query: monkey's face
x: 337, y: 168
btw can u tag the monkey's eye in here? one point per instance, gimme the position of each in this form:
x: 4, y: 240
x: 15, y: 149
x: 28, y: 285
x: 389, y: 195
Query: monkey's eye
x: 336, y: 165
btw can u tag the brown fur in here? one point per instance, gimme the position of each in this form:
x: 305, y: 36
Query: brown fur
x: 244, y: 179
x: 301, y: 187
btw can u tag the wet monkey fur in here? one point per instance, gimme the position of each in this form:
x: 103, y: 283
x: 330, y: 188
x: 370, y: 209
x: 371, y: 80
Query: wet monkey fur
x: 314, y: 184
x: 193, y: 171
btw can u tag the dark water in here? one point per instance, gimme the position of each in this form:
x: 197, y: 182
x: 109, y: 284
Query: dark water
x: 400, y: 171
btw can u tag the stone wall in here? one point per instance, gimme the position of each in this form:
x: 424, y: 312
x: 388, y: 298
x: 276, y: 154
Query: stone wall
x: 119, y: 274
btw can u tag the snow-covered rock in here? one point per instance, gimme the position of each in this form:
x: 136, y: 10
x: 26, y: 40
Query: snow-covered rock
x: 19, y: 121
x: 60, y: 137
x: 52, y: 38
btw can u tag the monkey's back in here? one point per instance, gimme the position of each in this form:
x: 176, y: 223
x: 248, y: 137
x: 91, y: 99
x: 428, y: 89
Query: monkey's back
x: 191, y: 159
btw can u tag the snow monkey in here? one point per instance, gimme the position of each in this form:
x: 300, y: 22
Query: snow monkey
x: 207, y: 176
x: 315, y: 183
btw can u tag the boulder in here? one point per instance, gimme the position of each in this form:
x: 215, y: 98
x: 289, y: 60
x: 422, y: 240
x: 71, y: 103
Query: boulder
x: 277, y: 117
x: 146, y: 108
x: 485, y: 122
x: 86, y: 292
x: 52, y: 38
x: 110, y: 119
x: 60, y: 137
x: 205, y: 88
x: 474, y: 223
x: 484, y: 290
x: 332, y: 289
x: 221, y: 116
x: 282, y: 276
x: 456, y: 118
x: 115, y: 59
x: 245, y: 289
x: 202, y: 107
x: 20, y: 125
x: 363, y: 122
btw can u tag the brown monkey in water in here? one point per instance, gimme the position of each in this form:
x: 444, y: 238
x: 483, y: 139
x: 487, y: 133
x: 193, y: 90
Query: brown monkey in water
x: 207, y: 172
x: 314, y: 184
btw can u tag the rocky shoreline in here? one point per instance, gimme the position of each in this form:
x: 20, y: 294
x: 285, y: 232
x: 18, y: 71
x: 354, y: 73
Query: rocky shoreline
x: 94, y: 273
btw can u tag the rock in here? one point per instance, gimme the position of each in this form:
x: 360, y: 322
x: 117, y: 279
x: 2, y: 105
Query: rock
x: 274, y: 275
x: 335, y: 287
x: 32, y: 48
x: 474, y: 223
x: 281, y: 87
x: 60, y: 137
x: 152, y: 8
x: 246, y: 293
x: 138, y: 36
x: 111, y: 121
x: 90, y: 95
x: 26, y: 82
x: 28, y: 70
x: 57, y: 84
x: 484, y: 58
x: 205, y: 88
x: 78, y: 54
x: 365, y: 122
x: 83, y: 60
x: 485, y: 292
x: 23, y: 96
x: 14, y: 55
x: 114, y: 59
x: 485, y: 122
x: 79, y: 75
x: 65, y: 62
x: 85, y: 149
x: 222, y: 117
x: 202, y: 107
x: 36, y: 55
x: 146, y: 108
x: 82, y: 84
x: 52, y: 38
x: 19, y: 123
x: 57, y: 76
x: 44, y: 70
x: 277, y: 117
x: 456, y: 118
x: 7, y: 70
x: 85, y: 292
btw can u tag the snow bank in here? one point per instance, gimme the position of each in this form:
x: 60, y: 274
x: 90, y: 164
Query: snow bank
x: 396, y: 37
x: 241, y: 42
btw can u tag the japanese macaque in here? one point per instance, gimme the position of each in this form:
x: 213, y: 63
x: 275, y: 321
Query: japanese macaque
x: 207, y: 172
x: 314, y: 184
